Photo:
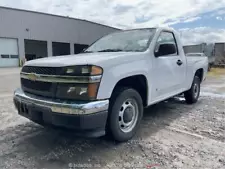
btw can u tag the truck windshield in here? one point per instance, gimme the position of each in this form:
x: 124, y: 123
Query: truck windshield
x: 124, y: 41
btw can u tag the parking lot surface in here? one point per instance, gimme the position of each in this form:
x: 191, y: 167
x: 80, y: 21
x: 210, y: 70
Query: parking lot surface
x: 172, y: 135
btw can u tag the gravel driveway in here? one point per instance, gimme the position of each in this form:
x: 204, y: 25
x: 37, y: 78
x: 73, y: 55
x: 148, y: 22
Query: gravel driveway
x: 172, y: 135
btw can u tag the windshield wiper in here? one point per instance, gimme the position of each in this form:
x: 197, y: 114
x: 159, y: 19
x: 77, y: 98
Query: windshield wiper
x: 111, y: 50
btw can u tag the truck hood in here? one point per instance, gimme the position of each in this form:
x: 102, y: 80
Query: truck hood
x: 99, y: 59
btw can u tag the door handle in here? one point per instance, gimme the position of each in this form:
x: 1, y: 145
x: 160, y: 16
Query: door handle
x: 179, y: 62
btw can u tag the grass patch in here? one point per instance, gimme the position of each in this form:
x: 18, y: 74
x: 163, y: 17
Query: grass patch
x: 216, y: 72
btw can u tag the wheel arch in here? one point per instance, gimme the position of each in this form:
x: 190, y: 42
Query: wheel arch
x: 200, y: 74
x: 138, y: 82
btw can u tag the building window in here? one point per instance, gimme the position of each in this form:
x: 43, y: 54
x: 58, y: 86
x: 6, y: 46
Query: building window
x: 14, y: 56
x: 79, y: 48
x: 35, y: 49
x: 59, y: 49
x: 4, y: 56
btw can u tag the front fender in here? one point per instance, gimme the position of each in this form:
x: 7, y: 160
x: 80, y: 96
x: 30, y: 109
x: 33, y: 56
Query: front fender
x: 112, y: 75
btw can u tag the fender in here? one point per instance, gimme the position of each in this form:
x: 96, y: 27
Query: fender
x: 193, y: 65
x: 116, y: 73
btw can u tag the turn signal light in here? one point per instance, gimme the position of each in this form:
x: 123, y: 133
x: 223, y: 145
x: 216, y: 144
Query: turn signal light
x: 95, y: 70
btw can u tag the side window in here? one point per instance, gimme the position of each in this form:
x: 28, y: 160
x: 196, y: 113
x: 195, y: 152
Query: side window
x: 166, y: 45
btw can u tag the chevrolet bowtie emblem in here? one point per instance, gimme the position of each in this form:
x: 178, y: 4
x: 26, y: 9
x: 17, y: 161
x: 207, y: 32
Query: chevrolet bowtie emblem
x: 32, y: 76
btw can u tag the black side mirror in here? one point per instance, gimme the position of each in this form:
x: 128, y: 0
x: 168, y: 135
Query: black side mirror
x: 166, y: 49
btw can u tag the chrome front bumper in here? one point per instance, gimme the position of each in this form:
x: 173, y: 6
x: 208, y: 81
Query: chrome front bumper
x: 58, y: 106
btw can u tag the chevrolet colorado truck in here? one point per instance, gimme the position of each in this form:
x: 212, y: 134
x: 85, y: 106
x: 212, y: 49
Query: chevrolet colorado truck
x: 104, y: 89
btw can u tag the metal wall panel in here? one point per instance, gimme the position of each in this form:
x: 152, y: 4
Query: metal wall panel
x: 23, y: 24
x: 220, y: 53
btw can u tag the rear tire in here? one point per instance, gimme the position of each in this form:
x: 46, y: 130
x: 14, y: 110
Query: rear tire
x: 192, y: 95
x: 125, y: 114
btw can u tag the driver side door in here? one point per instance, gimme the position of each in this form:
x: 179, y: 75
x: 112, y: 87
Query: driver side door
x: 167, y: 74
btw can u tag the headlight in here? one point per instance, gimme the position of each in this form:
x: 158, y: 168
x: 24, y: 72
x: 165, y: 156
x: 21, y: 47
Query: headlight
x: 77, y: 91
x: 86, y: 83
x: 86, y: 70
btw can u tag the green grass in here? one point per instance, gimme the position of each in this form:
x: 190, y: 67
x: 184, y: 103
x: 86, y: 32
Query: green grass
x: 216, y: 72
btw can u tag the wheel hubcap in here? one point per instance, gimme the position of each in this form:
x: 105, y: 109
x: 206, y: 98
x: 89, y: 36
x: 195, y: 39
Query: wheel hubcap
x: 128, y: 115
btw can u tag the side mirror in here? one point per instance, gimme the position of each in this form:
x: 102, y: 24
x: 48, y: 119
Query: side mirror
x: 166, y: 49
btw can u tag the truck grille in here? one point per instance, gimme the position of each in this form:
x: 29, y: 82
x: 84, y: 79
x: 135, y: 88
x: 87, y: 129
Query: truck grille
x: 42, y: 86
x: 42, y: 70
x: 46, y: 89
x: 38, y: 88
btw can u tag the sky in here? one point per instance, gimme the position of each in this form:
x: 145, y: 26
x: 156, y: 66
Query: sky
x: 198, y: 21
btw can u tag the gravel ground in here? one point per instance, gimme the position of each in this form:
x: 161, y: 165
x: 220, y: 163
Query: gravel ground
x: 172, y: 135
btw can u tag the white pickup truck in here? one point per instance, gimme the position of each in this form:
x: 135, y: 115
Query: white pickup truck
x: 104, y: 89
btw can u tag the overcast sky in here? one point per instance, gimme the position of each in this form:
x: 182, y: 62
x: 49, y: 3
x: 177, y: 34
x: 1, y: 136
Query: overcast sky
x: 197, y: 20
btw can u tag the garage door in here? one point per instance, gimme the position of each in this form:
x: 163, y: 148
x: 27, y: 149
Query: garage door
x: 9, y: 52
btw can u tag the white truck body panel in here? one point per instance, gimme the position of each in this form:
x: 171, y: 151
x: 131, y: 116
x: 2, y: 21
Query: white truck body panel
x: 164, y: 77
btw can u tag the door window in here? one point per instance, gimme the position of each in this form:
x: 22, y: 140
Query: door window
x: 167, y: 40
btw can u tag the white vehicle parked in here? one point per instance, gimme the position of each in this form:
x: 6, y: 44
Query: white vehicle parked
x: 104, y: 89
x: 211, y: 59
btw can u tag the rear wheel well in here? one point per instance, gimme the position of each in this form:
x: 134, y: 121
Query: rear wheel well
x: 137, y: 82
x: 199, y: 73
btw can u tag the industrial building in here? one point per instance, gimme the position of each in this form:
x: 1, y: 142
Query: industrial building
x: 214, y: 51
x: 199, y: 48
x: 31, y: 35
x: 220, y: 53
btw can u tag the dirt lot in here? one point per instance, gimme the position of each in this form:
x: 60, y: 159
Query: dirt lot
x: 172, y: 135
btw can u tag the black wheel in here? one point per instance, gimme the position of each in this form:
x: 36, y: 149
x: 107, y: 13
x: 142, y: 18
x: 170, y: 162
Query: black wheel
x: 125, y: 114
x: 192, y: 95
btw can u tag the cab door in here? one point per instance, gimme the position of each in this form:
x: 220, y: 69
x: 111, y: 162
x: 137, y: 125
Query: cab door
x: 168, y: 67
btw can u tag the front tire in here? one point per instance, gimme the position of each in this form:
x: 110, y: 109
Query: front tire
x: 192, y: 95
x: 125, y: 114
